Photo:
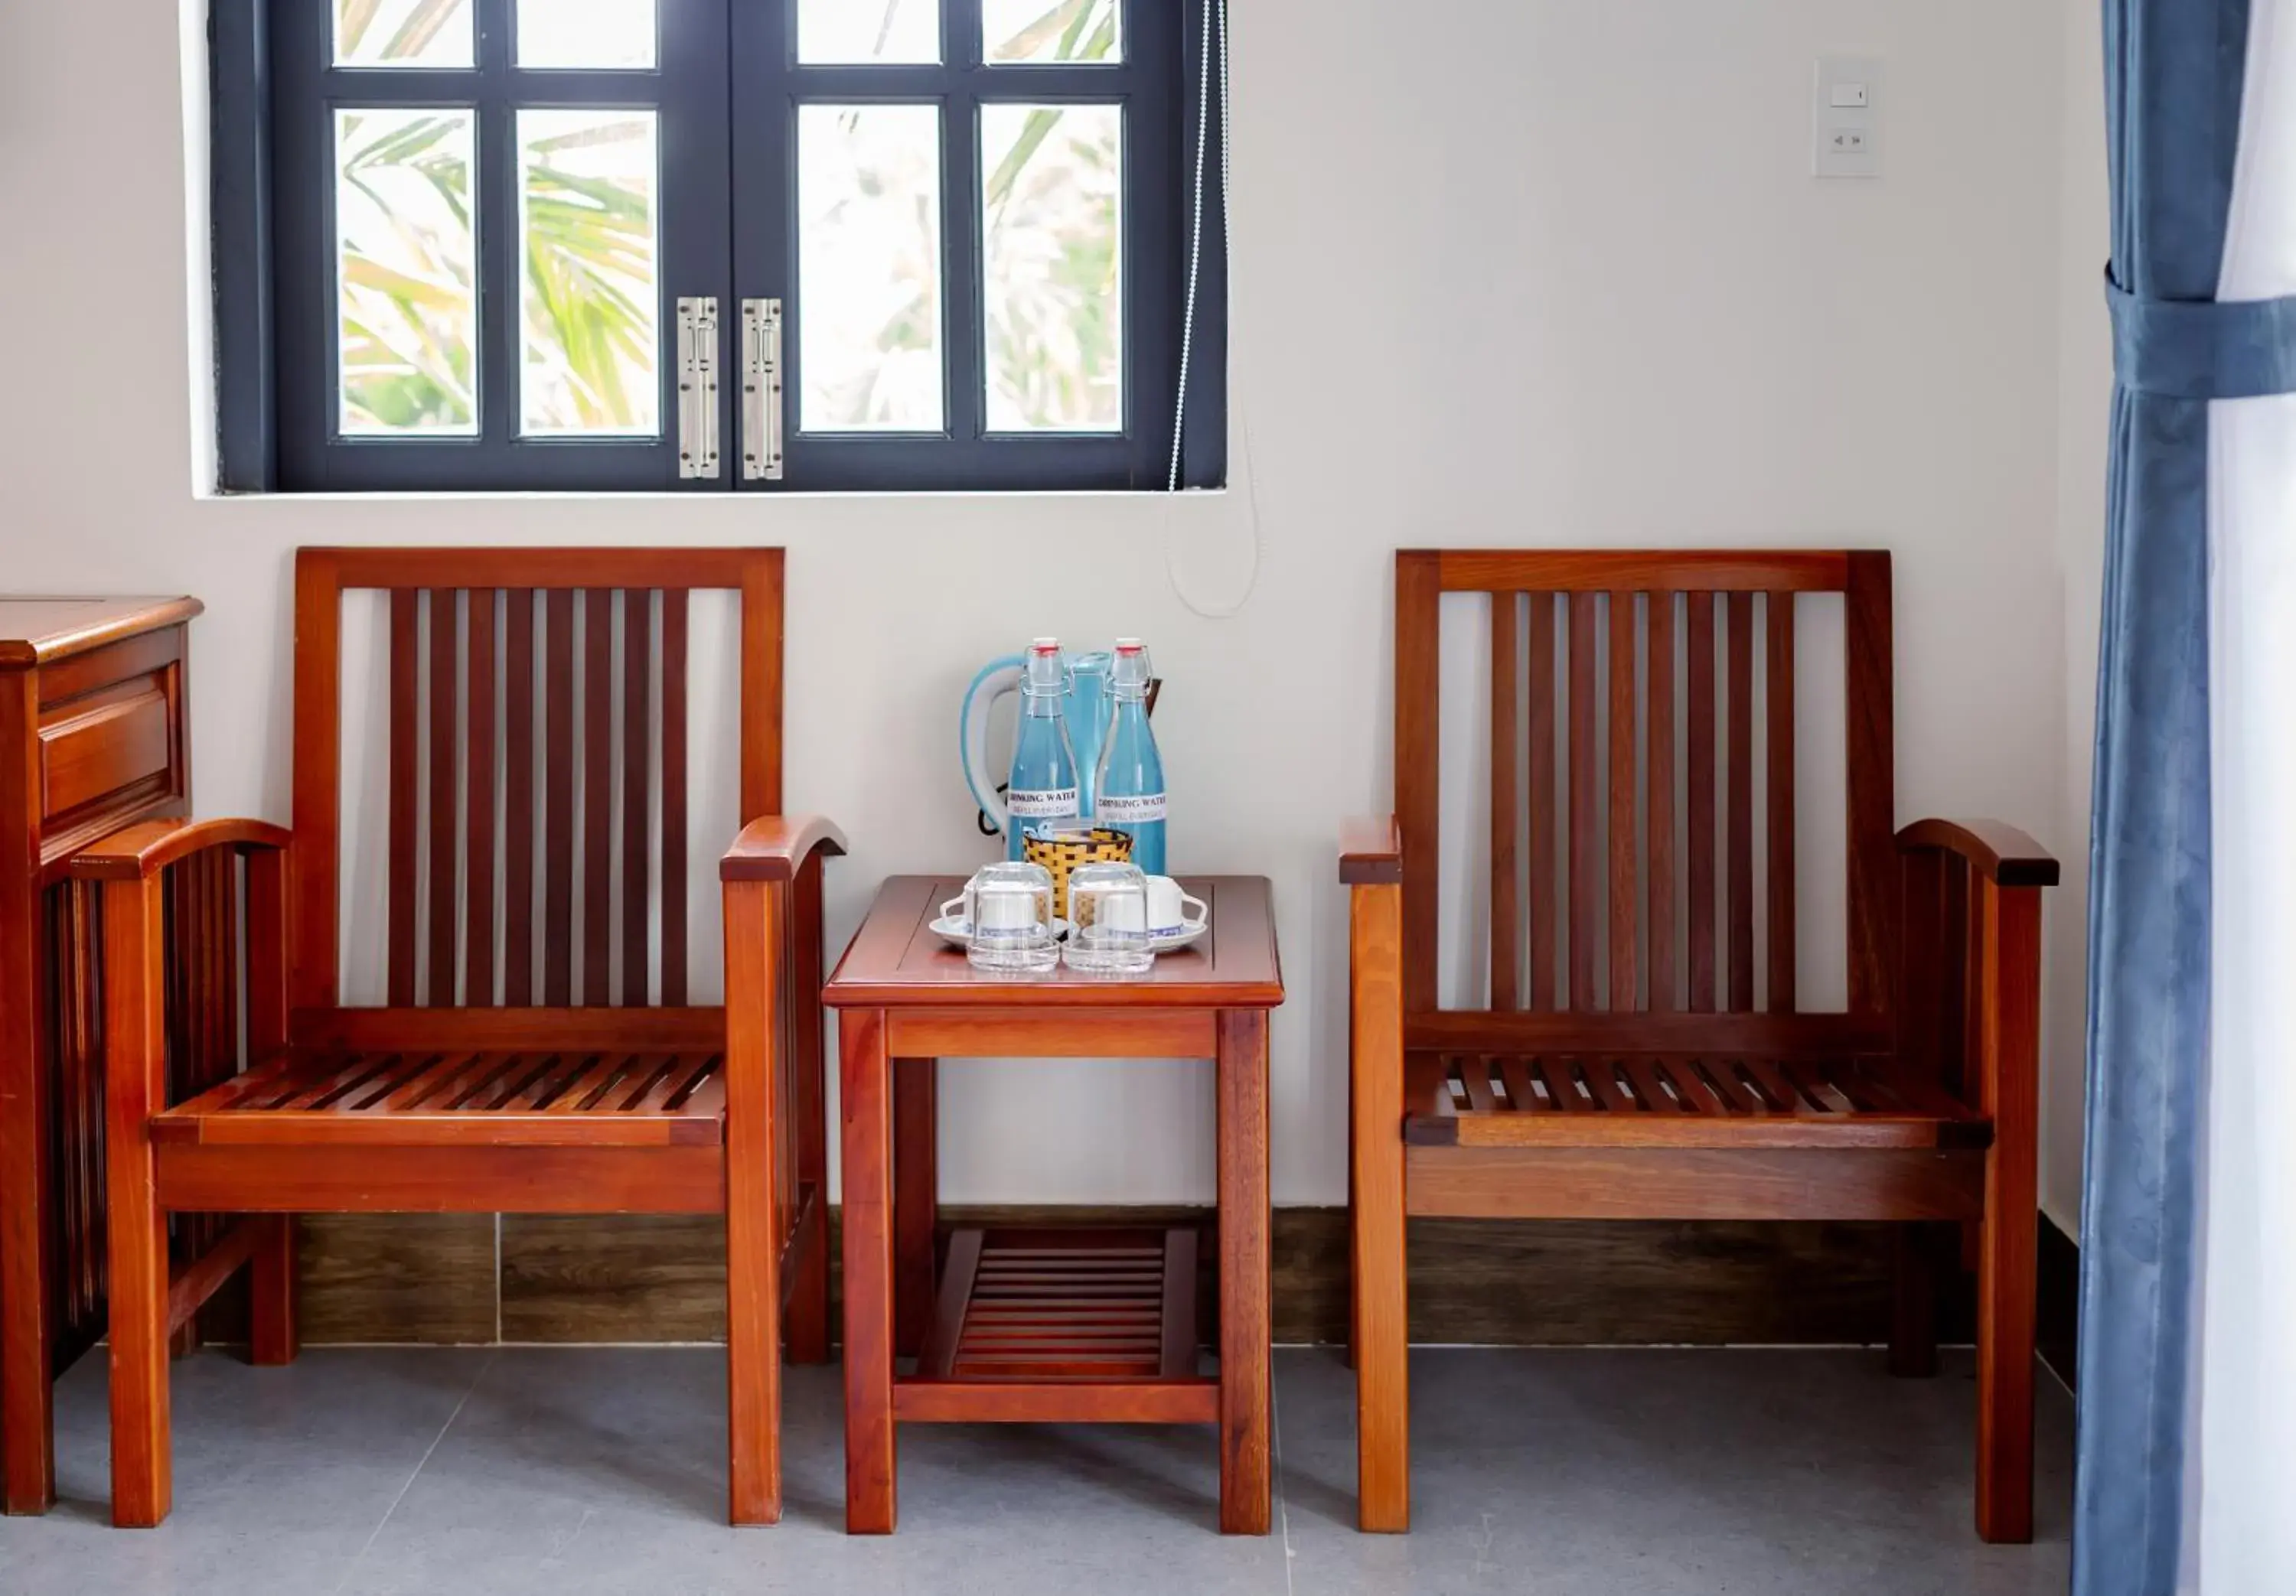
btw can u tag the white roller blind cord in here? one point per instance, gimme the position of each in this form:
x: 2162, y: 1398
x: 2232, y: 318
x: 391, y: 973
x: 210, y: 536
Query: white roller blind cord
x: 1213, y: 9
x: 1213, y: 84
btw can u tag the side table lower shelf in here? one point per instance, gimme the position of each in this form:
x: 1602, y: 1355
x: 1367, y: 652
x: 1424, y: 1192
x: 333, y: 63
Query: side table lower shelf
x: 1063, y: 1326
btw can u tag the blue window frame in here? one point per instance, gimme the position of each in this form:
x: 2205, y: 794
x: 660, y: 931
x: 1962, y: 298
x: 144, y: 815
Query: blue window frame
x: 448, y: 259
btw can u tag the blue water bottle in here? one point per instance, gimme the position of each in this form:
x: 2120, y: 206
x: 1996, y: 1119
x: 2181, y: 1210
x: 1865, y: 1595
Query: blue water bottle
x: 1041, y: 794
x: 1128, y: 789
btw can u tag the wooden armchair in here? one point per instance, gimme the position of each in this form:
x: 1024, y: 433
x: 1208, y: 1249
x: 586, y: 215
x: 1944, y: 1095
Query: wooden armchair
x: 1623, y: 1066
x: 538, y: 1051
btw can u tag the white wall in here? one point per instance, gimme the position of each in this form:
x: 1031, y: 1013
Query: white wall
x: 2085, y: 400
x: 1549, y: 272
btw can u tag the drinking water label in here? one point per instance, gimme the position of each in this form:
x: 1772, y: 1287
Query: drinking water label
x: 1052, y: 803
x: 1133, y: 809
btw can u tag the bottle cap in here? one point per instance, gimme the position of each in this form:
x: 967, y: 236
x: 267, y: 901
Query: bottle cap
x: 1132, y: 667
x: 1047, y: 672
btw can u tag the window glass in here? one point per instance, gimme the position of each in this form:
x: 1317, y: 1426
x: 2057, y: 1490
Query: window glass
x: 590, y: 272
x: 404, y: 33
x: 586, y: 33
x: 869, y: 278
x: 1053, y: 266
x: 405, y: 260
x: 834, y: 33
x: 1048, y: 32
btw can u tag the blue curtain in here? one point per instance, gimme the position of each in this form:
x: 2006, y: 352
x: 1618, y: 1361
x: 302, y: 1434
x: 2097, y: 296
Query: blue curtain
x: 2174, y: 71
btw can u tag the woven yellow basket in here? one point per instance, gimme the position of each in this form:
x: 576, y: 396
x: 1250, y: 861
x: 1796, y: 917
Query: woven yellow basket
x: 1064, y: 851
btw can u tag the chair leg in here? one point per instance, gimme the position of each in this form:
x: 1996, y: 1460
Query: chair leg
x: 142, y: 1484
x: 2006, y: 1309
x: 272, y: 1270
x: 1376, y: 1176
x: 1382, y: 1367
x: 2007, y: 1243
x: 1913, y: 1323
x: 135, y: 1088
x: 753, y: 1356
x: 753, y: 1234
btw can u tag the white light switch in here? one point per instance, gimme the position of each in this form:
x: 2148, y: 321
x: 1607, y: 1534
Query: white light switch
x: 1846, y: 117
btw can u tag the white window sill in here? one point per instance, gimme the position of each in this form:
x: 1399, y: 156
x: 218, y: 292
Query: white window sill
x: 704, y: 496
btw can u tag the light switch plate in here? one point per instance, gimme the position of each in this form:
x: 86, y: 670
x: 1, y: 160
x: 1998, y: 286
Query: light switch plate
x: 1846, y: 98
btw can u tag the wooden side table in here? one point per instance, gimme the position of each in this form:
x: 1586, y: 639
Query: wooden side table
x: 92, y: 737
x: 1047, y: 1326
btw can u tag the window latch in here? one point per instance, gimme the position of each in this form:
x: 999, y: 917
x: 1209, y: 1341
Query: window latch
x: 697, y: 387
x: 761, y: 390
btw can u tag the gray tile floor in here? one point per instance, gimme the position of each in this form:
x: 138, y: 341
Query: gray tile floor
x: 1559, y: 1473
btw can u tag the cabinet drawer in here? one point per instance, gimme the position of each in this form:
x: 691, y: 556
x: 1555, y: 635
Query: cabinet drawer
x: 121, y: 748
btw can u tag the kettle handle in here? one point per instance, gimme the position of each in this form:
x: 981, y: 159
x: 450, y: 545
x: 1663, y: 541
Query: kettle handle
x: 996, y: 678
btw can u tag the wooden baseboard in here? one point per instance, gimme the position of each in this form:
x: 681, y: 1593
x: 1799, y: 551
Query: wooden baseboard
x: 474, y: 1279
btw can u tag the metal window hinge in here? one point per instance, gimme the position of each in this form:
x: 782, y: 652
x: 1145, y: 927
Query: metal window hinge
x: 761, y: 390
x: 697, y: 387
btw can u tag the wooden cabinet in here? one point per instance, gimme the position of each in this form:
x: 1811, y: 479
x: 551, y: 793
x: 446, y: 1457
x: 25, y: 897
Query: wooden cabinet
x: 93, y: 735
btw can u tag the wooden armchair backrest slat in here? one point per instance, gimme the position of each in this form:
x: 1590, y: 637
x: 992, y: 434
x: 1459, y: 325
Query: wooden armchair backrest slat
x: 496, y: 658
x: 1585, y: 859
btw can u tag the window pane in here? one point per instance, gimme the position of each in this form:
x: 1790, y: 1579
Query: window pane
x: 406, y: 248
x: 591, y: 275
x: 404, y: 33
x: 1053, y: 258
x: 831, y: 33
x: 869, y: 311
x: 1045, y: 32
x: 585, y: 33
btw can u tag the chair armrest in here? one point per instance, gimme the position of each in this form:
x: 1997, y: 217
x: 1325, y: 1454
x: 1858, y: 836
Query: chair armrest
x: 776, y: 848
x: 1997, y: 850
x: 1371, y: 851
x: 142, y: 850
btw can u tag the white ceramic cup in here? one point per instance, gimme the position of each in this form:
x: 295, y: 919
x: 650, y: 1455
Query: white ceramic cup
x: 996, y: 906
x: 1167, y: 907
x: 1122, y: 910
x: 1108, y: 914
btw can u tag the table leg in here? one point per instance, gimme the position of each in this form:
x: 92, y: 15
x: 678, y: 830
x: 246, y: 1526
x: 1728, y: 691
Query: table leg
x: 867, y: 1111
x: 27, y: 1412
x: 916, y: 1196
x: 1246, y: 1322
